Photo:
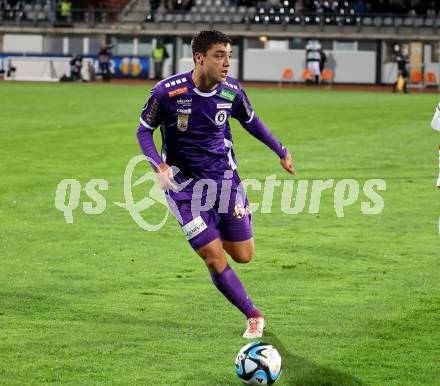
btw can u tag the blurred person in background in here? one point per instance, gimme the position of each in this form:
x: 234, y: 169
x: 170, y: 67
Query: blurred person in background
x: 402, y: 60
x: 66, y: 10
x: 435, y: 124
x: 323, y: 57
x: 104, y: 56
x: 159, y: 55
x: 76, y: 67
x: 313, y: 59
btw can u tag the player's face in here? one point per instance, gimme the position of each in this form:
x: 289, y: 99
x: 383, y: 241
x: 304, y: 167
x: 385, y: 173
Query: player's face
x: 215, y: 64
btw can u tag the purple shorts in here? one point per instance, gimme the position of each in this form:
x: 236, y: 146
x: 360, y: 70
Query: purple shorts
x: 227, y: 218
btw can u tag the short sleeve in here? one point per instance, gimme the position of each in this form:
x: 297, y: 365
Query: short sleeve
x: 153, y: 112
x: 242, y: 109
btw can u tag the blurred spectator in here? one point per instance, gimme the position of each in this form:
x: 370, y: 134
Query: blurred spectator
x: 313, y: 59
x: 323, y: 58
x: 159, y: 55
x: 402, y: 59
x: 299, y: 6
x: 154, y: 5
x: 66, y: 10
x: 91, y: 71
x: 75, y: 67
x: 10, y: 72
x: 104, y: 56
x: 360, y: 7
x: 431, y: 11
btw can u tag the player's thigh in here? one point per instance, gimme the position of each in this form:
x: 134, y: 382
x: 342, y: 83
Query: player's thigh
x: 235, y: 225
x: 240, y: 251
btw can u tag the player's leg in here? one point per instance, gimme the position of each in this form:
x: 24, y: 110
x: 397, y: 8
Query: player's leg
x: 236, y: 225
x: 205, y: 239
x: 240, y: 251
x: 225, y: 279
x: 213, y: 256
x: 235, y: 228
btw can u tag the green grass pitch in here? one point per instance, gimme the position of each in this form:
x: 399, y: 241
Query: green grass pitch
x: 348, y: 301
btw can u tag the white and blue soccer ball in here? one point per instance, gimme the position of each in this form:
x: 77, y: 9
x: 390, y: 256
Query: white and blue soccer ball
x: 258, y: 363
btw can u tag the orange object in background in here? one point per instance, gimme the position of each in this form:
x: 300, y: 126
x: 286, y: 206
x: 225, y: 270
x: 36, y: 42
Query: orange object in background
x: 430, y: 77
x: 327, y: 75
x: 287, y: 74
x: 307, y: 75
x: 416, y: 77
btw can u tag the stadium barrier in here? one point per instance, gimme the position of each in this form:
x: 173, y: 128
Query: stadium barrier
x: 53, y: 68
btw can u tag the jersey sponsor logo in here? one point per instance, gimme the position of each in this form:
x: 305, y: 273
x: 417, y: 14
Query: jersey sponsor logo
x: 221, y: 117
x: 224, y: 105
x: 178, y: 91
x: 184, y: 111
x: 153, y: 112
x: 228, y: 95
x: 184, y: 102
x: 194, y: 227
x: 182, y: 122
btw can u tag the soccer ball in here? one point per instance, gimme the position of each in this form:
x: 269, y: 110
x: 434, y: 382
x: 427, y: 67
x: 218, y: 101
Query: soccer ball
x: 258, y: 363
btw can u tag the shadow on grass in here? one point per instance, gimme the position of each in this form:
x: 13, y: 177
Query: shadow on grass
x: 298, y: 371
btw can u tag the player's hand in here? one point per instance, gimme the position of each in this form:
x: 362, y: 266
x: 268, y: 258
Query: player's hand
x: 286, y: 163
x: 165, y: 177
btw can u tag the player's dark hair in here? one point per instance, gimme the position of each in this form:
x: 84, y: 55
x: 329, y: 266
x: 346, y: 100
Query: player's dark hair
x: 204, y: 40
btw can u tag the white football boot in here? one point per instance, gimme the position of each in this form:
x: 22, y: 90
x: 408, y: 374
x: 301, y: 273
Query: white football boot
x: 255, y: 327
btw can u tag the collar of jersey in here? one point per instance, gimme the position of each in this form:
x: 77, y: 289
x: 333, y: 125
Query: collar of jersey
x: 205, y: 94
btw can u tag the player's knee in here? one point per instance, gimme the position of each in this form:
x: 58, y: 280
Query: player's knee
x: 244, y: 255
x: 213, y: 256
x: 215, y: 264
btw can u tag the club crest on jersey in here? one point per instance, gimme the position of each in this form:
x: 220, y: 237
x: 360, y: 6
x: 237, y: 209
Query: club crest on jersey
x: 240, y: 211
x: 228, y: 95
x: 221, y: 117
x: 182, y: 122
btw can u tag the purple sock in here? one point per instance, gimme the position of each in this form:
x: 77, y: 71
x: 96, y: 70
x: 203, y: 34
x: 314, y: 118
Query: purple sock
x: 230, y: 286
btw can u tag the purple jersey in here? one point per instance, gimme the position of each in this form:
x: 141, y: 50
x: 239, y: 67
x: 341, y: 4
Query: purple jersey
x: 196, y: 135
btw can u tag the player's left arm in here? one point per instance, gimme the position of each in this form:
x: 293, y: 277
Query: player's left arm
x: 242, y: 110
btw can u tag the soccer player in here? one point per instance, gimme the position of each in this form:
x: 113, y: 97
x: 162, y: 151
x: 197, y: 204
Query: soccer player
x: 435, y: 123
x: 193, y: 110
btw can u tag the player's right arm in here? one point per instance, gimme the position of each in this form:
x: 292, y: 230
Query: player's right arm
x: 435, y: 124
x: 151, y: 117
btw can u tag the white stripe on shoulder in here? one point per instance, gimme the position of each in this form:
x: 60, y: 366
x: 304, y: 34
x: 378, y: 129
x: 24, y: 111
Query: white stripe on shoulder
x: 250, y: 119
x: 146, y: 125
x: 174, y: 80
x: 232, y: 85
